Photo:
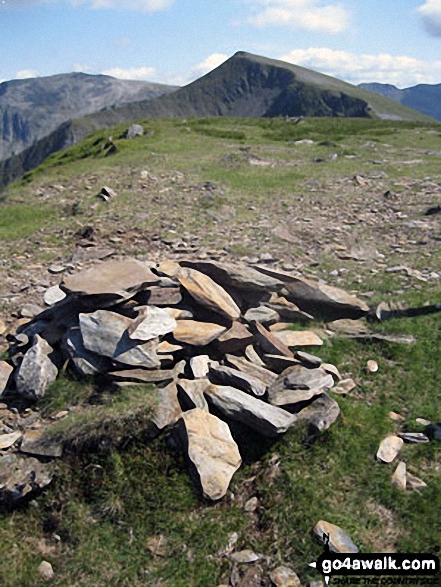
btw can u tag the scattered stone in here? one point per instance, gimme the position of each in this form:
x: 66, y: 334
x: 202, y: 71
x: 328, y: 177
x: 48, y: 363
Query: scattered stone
x: 85, y: 362
x: 36, y: 371
x: 256, y: 371
x: 423, y: 421
x: 279, y: 363
x: 151, y: 323
x: 372, y: 366
x: 298, y: 338
x: 396, y: 417
x: 3, y: 327
x: 399, y: 476
x: 255, y: 413
x: 53, y: 295
x: 106, y: 194
x: 146, y: 375
x: 114, y: 280
x: 414, y: 483
x: 253, y: 357
x: 299, y: 377
x: 162, y: 296
x: 389, y: 449
x: 167, y: 410
x: 208, y: 293
x: 414, y: 437
x: 30, y: 311
x: 269, y: 343
x: 8, y: 440
x: 5, y: 372
x: 157, y: 545
x: 197, y: 333
x: 107, y: 333
x: 212, y: 452
x: 251, y: 505
x: 56, y: 269
x: 46, y: 571
x: 245, y: 557
x: 200, y: 365
x: 339, y: 541
x: 134, y: 130
x: 344, y: 386
x: 320, y: 414
x: 284, y: 577
x: 332, y: 370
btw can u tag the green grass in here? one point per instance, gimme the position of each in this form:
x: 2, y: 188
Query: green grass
x: 18, y: 221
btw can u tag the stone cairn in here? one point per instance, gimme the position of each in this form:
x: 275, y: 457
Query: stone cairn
x: 215, y: 339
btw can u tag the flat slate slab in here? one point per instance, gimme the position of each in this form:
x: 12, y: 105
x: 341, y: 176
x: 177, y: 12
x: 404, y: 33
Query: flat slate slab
x: 197, y: 333
x: 115, y: 279
x: 255, y: 413
x: 106, y: 333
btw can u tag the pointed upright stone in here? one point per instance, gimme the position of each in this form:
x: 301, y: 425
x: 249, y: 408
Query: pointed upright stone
x: 37, y: 371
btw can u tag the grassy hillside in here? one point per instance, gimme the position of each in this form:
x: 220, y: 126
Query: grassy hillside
x: 424, y: 97
x: 345, y: 205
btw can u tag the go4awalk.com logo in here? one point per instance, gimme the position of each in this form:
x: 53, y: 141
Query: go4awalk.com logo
x: 378, y: 569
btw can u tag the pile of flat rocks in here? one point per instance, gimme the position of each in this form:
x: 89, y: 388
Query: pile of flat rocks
x: 216, y: 340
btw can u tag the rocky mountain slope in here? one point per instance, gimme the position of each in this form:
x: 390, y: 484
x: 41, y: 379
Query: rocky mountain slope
x: 425, y: 98
x: 32, y: 108
x: 244, y: 86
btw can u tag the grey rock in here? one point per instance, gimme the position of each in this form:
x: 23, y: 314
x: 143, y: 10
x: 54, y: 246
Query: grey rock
x: 284, y: 577
x: 134, y: 130
x: 40, y: 443
x: 339, y: 541
x: 85, y: 362
x: 256, y: 371
x: 320, y: 414
x: 36, y: 371
x: 200, y: 365
x: 278, y: 363
x: 53, y: 295
x: 244, y: 557
x: 236, y: 339
x: 269, y: 343
x: 151, y: 323
x: 307, y: 359
x: 9, y: 439
x: 106, y: 333
x: 238, y: 379
x: 389, y: 449
x: 30, y: 311
x: 414, y: 437
x: 255, y: 413
x: 167, y: 410
x: 299, y: 377
x: 21, y: 478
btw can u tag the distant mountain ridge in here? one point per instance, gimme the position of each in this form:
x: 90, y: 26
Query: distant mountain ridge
x: 425, y: 98
x: 32, y: 108
x: 245, y: 85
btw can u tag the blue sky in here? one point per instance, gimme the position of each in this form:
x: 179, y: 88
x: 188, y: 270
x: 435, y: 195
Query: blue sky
x: 176, y: 41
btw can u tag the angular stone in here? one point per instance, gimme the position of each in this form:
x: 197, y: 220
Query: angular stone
x: 253, y: 357
x: 115, y: 280
x: 256, y: 371
x: 151, y: 323
x: 332, y: 370
x: 263, y: 315
x: 212, y: 452
x: 53, y: 295
x: 320, y: 414
x: 40, y: 443
x: 146, y: 375
x: 269, y: 343
x: 279, y: 363
x: 284, y: 577
x: 178, y: 314
x: 200, y: 365
x: 244, y: 557
x: 106, y: 333
x: 46, y: 571
x: 333, y: 535
x: 287, y: 310
x: 389, y: 449
x: 167, y: 410
x: 310, y: 361
x: 238, y: 379
x: 344, y: 386
x: 21, y: 477
x: 197, y: 333
x: 298, y: 338
x: 8, y: 440
x: 30, y: 311
x: 237, y: 338
x: 3, y: 327
x: 191, y: 393
x: 413, y: 482
x: 208, y: 293
x: 5, y: 372
x: 86, y: 362
x: 399, y: 476
x: 134, y: 130
x: 318, y: 299
x: 165, y: 348
x: 251, y: 505
x: 36, y: 371
x: 300, y: 377
x: 238, y: 405
x: 163, y: 296
x: 240, y: 277
x: 414, y: 437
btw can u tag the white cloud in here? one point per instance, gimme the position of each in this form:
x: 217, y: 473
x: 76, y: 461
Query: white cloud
x: 25, y: 74
x: 135, y: 5
x: 431, y: 15
x: 82, y: 68
x: 131, y: 73
x: 312, y: 15
x: 399, y: 70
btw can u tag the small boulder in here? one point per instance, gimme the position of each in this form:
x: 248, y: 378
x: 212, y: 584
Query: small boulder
x: 337, y: 539
x: 36, y: 371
